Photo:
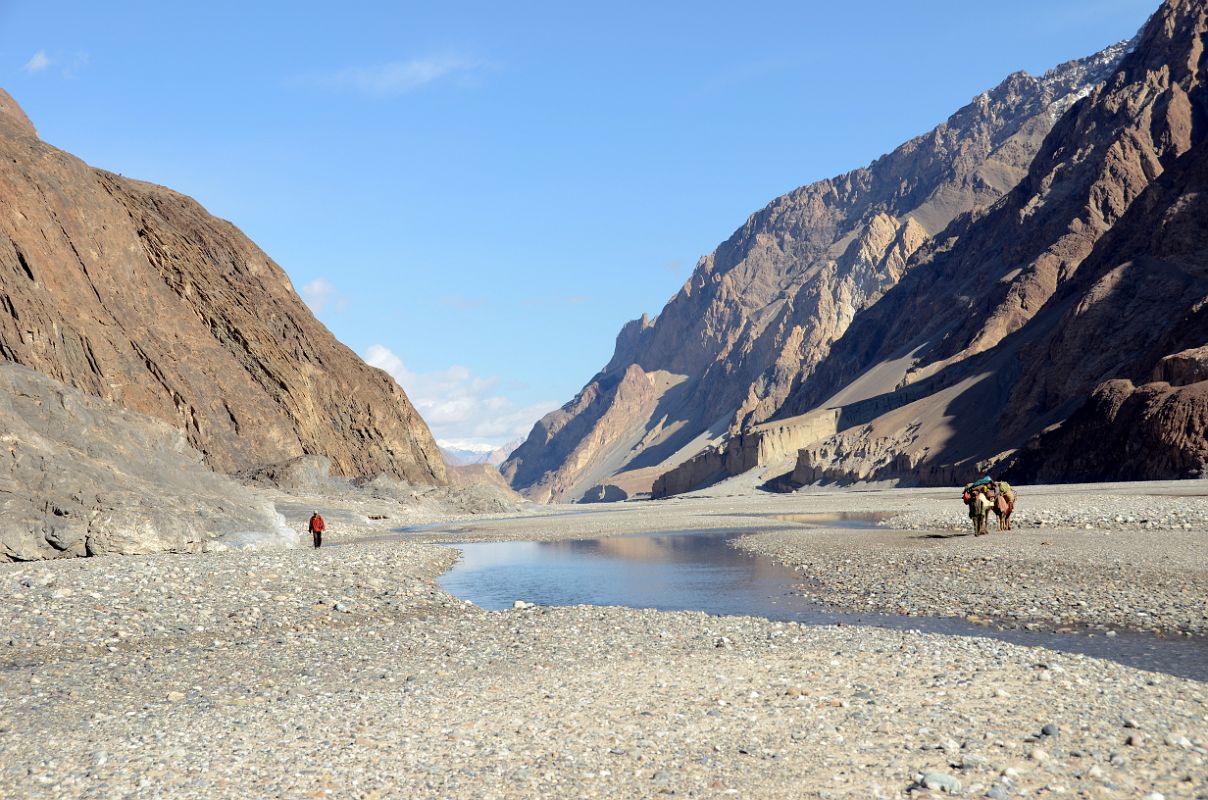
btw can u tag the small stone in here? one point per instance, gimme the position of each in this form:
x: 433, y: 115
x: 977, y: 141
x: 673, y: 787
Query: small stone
x: 1134, y: 741
x: 997, y: 792
x: 940, y: 781
x: 973, y: 761
x: 1038, y: 755
x: 1178, y: 741
x: 343, y: 608
x: 1049, y: 730
x: 175, y: 697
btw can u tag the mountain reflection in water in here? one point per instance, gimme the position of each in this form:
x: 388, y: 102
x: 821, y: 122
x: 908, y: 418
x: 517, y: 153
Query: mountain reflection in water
x: 699, y: 571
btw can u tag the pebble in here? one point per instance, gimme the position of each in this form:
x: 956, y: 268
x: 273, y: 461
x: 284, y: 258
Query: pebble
x: 940, y: 781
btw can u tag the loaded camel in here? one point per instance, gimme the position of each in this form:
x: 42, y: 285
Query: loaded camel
x: 983, y: 496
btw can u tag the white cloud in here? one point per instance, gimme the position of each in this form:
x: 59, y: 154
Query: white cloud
x: 458, y: 405
x: 320, y: 293
x: 39, y: 62
x: 399, y: 77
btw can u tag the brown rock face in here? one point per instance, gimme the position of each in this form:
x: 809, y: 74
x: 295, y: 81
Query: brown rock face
x: 15, y: 114
x: 762, y: 311
x: 133, y: 293
x: 1063, y: 302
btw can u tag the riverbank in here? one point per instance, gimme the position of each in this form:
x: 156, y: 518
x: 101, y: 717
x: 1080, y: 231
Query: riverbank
x: 346, y: 672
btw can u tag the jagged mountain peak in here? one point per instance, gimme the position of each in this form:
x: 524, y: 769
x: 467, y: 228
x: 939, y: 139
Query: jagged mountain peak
x: 760, y: 312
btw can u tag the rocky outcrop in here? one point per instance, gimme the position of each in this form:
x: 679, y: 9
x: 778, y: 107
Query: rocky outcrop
x: 595, y: 431
x: 134, y: 294
x: 605, y: 493
x: 761, y: 312
x: 465, y: 475
x: 764, y: 444
x: 1060, y: 306
x: 1123, y: 433
x: 80, y: 476
x: 1183, y: 369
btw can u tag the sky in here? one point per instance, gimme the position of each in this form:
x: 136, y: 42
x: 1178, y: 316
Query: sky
x: 476, y: 196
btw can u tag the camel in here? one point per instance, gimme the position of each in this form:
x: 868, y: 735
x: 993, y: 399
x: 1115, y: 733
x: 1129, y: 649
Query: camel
x: 1004, y: 507
x: 979, y: 508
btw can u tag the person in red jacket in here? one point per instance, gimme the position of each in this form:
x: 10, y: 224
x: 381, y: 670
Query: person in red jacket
x: 317, y: 527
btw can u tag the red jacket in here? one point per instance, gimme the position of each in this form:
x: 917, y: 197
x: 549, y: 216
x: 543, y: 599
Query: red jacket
x: 316, y: 524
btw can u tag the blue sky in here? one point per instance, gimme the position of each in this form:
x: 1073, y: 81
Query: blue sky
x: 478, y: 195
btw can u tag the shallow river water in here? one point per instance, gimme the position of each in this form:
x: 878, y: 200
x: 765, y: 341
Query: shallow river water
x: 699, y: 571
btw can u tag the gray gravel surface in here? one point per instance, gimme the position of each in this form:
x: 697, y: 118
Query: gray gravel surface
x: 345, y: 672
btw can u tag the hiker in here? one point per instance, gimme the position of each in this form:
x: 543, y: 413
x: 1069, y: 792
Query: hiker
x: 980, y: 496
x: 317, y: 526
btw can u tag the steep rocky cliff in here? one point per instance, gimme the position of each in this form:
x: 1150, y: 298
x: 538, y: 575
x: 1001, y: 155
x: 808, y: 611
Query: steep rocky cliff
x: 80, y: 476
x: 761, y: 312
x: 1078, y: 301
x: 133, y: 293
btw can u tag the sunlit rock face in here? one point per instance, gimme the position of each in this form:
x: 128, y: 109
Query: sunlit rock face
x: 132, y: 293
x: 759, y: 314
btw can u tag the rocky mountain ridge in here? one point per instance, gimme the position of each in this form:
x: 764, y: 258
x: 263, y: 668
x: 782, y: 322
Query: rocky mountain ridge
x: 1059, y: 334
x: 760, y: 314
x: 134, y: 294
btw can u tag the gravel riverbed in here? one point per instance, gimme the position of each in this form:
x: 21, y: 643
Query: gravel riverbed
x: 345, y: 672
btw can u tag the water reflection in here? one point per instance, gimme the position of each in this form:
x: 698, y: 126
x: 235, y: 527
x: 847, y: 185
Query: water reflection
x: 698, y: 571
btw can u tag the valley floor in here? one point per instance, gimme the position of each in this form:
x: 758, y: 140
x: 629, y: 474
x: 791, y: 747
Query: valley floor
x: 346, y: 672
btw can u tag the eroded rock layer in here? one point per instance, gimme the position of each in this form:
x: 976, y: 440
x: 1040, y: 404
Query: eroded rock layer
x: 133, y: 293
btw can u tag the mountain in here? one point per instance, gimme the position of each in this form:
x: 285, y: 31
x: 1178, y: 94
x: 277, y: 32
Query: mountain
x: 761, y: 313
x: 134, y: 294
x: 1060, y: 334
x: 458, y: 455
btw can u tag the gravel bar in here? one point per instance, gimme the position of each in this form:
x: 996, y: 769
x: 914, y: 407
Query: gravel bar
x: 345, y: 672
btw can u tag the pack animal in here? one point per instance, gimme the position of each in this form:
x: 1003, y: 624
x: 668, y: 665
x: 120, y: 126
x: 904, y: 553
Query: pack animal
x: 979, y: 510
x: 980, y: 496
x: 1004, y: 506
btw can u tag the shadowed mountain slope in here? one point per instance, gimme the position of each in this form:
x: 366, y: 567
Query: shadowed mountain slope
x: 761, y: 312
x: 1080, y: 296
